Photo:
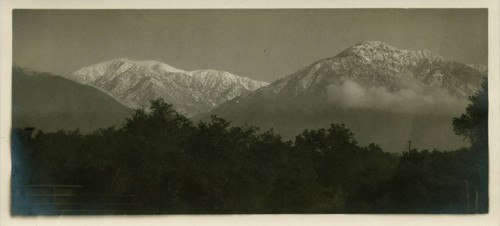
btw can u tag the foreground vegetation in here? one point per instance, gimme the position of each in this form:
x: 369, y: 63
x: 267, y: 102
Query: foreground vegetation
x: 161, y: 162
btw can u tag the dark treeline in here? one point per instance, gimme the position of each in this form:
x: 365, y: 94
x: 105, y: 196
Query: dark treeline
x: 161, y: 162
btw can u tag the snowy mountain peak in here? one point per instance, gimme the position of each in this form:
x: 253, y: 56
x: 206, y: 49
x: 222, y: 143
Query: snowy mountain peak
x: 135, y: 83
x: 375, y: 50
x: 367, y: 47
x: 377, y: 64
x: 118, y: 66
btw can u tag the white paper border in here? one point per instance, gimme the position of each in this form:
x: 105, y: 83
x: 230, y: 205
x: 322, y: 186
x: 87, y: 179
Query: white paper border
x: 493, y: 218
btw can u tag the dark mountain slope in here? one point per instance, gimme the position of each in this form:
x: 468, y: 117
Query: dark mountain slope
x: 51, y: 103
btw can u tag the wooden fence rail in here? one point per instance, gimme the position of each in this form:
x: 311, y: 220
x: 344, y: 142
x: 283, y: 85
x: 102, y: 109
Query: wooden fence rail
x: 45, y: 199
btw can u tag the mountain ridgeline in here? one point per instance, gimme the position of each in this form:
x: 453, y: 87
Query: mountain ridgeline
x: 135, y: 83
x: 384, y: 94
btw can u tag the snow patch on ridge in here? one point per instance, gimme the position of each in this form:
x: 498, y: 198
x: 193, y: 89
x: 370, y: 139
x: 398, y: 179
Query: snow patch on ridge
x: 135, y: 83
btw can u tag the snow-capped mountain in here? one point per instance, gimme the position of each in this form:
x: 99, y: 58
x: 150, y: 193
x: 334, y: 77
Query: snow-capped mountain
x: 384, y: 94
x: 135, y: 83
x: 379, y: 64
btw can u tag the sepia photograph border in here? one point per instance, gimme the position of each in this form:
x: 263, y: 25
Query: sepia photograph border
x: 492, y: 218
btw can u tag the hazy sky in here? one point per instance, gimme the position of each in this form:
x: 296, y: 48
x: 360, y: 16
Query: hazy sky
x: 260, y: 44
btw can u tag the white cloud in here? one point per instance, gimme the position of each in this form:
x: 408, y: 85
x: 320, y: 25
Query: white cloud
x: 408, y: 97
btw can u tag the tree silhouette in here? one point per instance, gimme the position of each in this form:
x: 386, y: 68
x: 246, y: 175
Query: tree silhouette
x: 161, y: 162
x: 473, y: 125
